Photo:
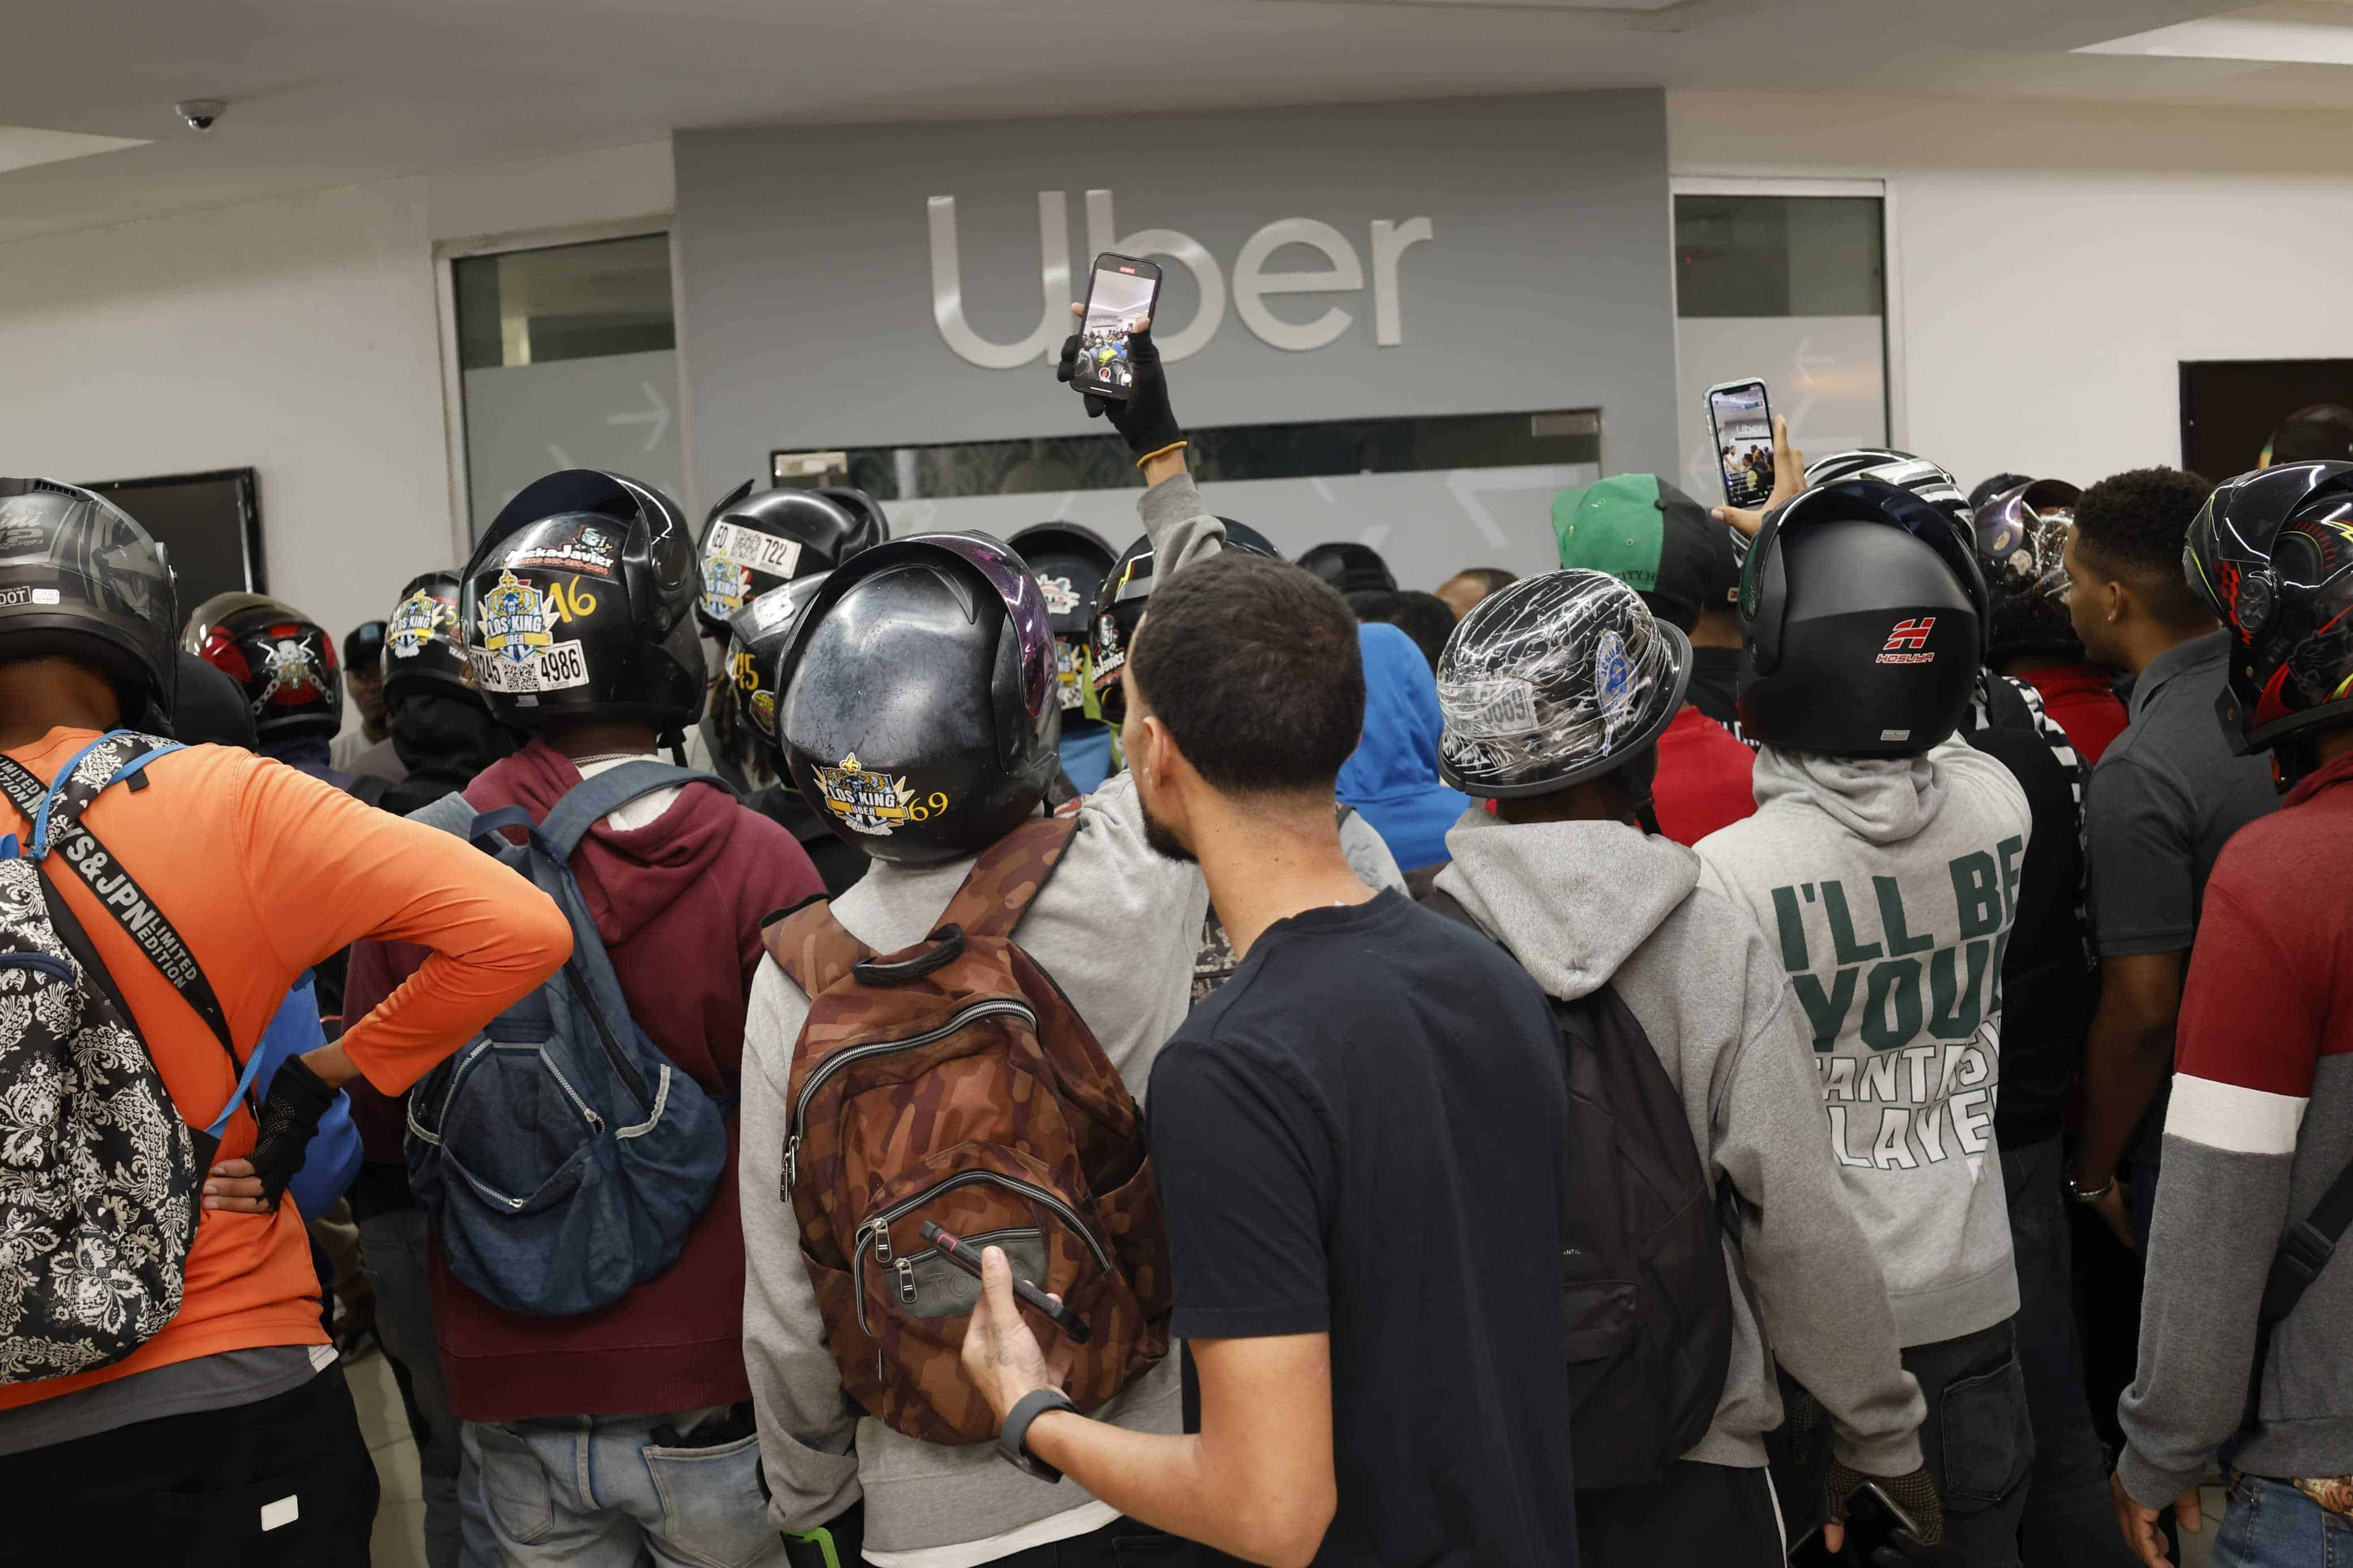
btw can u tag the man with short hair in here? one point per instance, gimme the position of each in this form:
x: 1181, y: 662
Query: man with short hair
x: 1358, y: 1141
x: 1470, y: 585
x: 368, y: 751
x: 2166, y: 796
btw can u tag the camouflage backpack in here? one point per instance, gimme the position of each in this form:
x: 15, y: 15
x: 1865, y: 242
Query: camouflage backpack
x: 954, y: 1082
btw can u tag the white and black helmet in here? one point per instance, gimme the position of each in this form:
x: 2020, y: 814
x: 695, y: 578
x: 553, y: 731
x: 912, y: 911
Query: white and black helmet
x: 1552, y: 680
x: 78, y: 578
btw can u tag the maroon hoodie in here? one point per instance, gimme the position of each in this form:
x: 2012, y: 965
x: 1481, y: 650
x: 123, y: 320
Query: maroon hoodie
x: 679, y: 904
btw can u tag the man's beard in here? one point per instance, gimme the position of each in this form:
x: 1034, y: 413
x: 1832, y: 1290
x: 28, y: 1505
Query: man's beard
x: 1161, y: 839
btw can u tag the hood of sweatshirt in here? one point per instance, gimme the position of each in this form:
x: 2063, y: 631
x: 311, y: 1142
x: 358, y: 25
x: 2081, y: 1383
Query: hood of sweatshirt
x: 1571, y: 900
x: 1880, y: 800
x: 1392, y: 775
x: 630, y: 876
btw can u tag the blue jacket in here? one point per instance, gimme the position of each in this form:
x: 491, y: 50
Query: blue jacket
x: 1392, y: 778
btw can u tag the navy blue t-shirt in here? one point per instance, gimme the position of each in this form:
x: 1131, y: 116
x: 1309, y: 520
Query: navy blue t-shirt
x: 1362, y: 1135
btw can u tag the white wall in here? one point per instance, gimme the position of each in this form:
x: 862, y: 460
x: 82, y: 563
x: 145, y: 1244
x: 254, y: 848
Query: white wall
x: 299, y: 336
x: 2053, y: 264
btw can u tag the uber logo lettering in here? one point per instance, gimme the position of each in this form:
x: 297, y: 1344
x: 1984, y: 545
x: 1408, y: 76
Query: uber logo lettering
x: 1343, y: 272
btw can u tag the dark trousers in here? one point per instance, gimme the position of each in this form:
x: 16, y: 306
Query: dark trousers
x: 1978, y: 1441
x: 1121, y: 1544
x: 283, y: 1482
x: 1695, y: 1516
x: 2070, y: 1520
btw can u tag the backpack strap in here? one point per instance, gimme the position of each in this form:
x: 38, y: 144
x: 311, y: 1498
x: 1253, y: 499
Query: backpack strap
x: 55, y: 811
x: 1010, y: 873
x: 592, y: 800
x: 2303, y: 1253
x: 816, y: 951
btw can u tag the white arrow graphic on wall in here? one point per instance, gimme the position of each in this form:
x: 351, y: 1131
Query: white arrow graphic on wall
x: 658, y: 415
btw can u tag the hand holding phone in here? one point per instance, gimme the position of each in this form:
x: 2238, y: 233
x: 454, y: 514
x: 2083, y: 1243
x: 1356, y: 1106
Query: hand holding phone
x: 1111, y: 359
x: 968, y: 1259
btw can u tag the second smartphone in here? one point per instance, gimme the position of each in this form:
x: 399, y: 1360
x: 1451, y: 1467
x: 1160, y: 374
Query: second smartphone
x: 1121, y: 297
x: 1740, y: 421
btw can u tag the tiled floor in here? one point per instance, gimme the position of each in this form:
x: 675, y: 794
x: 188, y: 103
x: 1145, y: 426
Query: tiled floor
x: 399, y: 1540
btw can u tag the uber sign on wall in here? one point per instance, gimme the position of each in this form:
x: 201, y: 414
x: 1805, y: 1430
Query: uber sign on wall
x: 903, y: 284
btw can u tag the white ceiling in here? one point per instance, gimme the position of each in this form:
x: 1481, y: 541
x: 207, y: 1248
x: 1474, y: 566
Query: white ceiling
x: 325, y: 92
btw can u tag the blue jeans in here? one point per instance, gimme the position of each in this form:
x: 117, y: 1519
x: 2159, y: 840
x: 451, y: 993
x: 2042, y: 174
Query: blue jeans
x: 2270, y: 1524
x: 604, y: 1491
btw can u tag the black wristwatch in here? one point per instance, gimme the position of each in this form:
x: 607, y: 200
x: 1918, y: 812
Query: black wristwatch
x: 1010, y: 1442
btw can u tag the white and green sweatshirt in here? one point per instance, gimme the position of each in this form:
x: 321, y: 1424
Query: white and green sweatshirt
x: 1888, y: 886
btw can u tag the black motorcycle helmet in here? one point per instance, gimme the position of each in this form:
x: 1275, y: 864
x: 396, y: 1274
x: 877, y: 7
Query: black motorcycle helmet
x: 1070, y: 564
x: 579, y: 601
x: 1863, y: 614
x: 364, y: 648
x: 2271, y: 552
x: 2022, y: 544
x: 759, y: 637
x: 918, y: 716
x: 1554, y: 679
x: 284, y: 661
x: 1119, y: 608
x: 1351, y: 568
x: 1930, y: 481
x: 425, y: 641
x: 79, y: 578
x: 752, y: 543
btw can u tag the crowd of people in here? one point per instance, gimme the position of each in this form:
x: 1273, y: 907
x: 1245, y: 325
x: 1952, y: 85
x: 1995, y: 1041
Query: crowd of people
x: 1801, y: 1034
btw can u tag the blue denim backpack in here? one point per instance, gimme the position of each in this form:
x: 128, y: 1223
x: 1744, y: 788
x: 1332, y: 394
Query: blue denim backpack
x: 561, y: 1156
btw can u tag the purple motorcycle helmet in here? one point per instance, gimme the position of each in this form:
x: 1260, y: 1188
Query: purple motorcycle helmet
x: 918, y: 714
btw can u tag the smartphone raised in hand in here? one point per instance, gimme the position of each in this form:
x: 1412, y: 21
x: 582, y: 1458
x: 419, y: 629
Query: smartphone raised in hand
x: 1740, y: 423
x: 1122, y: 295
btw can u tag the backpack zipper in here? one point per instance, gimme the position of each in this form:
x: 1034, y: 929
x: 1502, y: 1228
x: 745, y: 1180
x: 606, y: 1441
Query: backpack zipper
x: 906, y: 1267
x: 596, y: 1123
x: 835, y: 1063
x: 877, y: 1230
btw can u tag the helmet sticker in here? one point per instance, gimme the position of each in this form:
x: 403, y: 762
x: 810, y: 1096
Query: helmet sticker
x: 772, y: 610
x: 1069, y: 668
x: 1061, y: 598
x: 13, y: 598
x: 869, y: 802
x: 1912, y: 635
x: 554, y: 668
x: 751, y: 550
x: 724, y: 584
x: 514, y: 621
x: 589, y: 550
x: 1505, y: 705
x: 295, y: 671
x: 1613, y: 684
x: 416, y: 622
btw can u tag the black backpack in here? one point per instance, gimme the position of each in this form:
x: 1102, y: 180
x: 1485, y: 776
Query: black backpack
x: 1643, y: 1294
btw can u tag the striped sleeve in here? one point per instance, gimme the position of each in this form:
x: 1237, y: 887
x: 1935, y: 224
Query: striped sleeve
x: 2252, y: 1016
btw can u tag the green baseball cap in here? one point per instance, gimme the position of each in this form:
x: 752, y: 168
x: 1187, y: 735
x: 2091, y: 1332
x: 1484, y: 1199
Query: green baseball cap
x: 1651, y: 537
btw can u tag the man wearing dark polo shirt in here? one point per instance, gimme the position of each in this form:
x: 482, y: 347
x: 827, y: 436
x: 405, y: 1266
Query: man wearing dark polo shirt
x: 2166, y: 797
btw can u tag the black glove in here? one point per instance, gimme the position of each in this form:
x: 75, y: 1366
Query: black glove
x: 298, y: 1098
x: 1914, y: 1494
x: 1144, y: 419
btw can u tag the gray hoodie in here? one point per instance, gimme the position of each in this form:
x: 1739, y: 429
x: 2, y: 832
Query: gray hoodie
x: 1889, y: 885
x: 1581, y: 904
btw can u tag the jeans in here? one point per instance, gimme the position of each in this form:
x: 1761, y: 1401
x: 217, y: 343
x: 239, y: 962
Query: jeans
x: 1719, y: 1515
x: 614, y: 1491
x: 2070, y: 1518
x: 1979, y: 1444
x: 392, y: 1247
x: 2270, y: 1524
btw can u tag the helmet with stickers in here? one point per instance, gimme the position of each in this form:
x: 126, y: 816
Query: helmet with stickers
x: 759, y: 636
x: 424, y: 642
x: 1070, y: 564
x: 752, y: 543
x: 918, y: 715
x: 1119, y: 610
x: 79, y: 578
x: 2021, y: 542
x: 1554, y: 679
x: 579, y: 602
x: 284, y: 661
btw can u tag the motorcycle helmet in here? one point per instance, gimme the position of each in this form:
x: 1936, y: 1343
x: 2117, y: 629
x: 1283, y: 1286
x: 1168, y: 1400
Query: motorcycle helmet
x: 284, y: 661
x: 364, y: 648
x: 1863, y: 614
x: 1999, y: 484
x: 2022, y: 544
x: 579, y: 601
x: 1070, y: 564
x: 1119, y: 607
x: 79, y: 578
x: 2271, y: 552
x: 1351, y: 568
x: 425, y: 641
x: 918, y: 715
x: 1554, y: 679
x: 752, y: 543
x: 758, y: 637
x: 1930, y: 481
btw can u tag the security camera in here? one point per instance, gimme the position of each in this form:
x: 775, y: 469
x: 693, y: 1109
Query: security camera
x: 198, y: 113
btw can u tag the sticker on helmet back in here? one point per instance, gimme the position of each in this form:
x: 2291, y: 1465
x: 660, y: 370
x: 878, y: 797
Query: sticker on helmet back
x: 869, y: 802
x: 1613, y: 685
x: 1505, y: 705
x: 1067, y: 669
x: 583, y: 547
x: 554, y: 668
x: 414, y: 624
x: 1906, y: 642
x: 724, y: 584
x: 514, y: 621
x: 753, y: 550
x: 1061, y: 598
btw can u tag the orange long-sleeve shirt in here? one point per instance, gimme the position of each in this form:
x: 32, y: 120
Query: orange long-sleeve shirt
x: 265, y: 871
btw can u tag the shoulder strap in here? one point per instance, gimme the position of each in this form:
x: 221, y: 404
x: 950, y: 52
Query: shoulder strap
x: 1010, y: 873
x: 592, y: 799
x: 2304, y: 1251
x: 55, y: 813
x: 813, y: 950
